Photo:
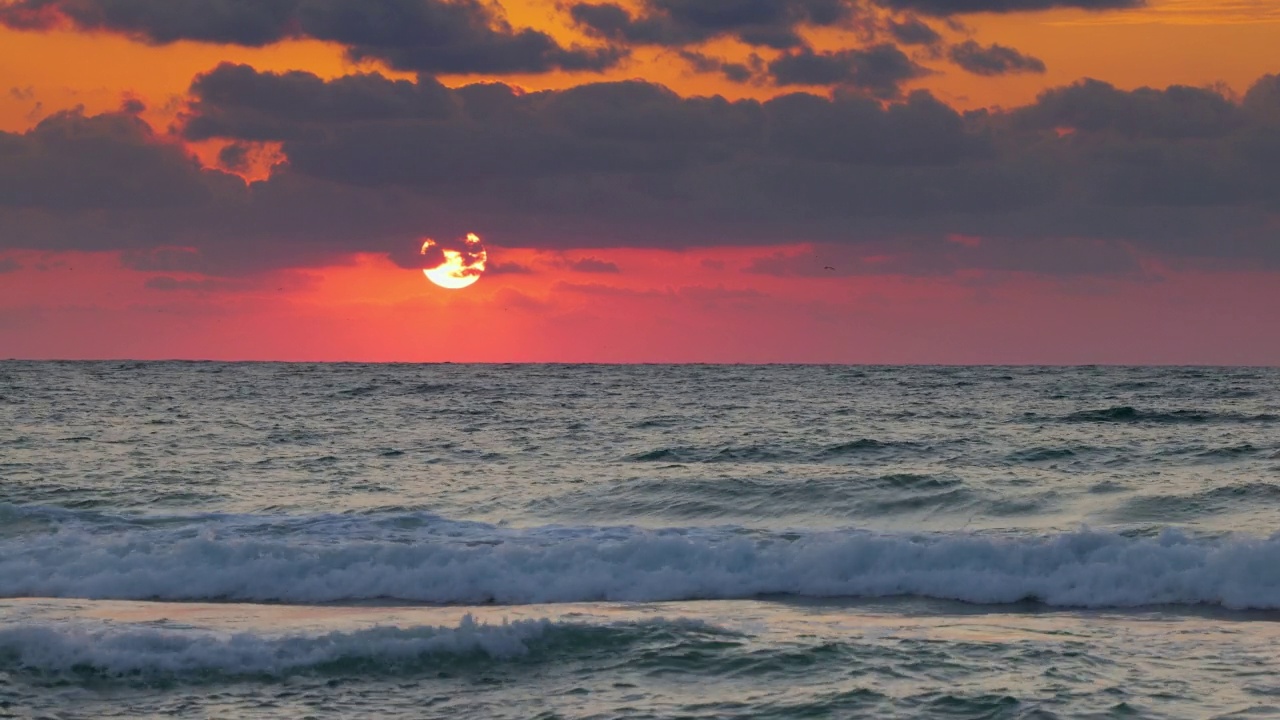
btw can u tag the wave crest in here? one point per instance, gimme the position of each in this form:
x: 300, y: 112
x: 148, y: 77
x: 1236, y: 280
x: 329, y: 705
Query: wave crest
x: 111, y: 651
x: 558, y: 564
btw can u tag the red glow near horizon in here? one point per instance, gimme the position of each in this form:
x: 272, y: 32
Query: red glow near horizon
x: 658, y: 306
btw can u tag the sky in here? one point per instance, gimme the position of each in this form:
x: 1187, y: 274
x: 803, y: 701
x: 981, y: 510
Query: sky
x: 724, y: 181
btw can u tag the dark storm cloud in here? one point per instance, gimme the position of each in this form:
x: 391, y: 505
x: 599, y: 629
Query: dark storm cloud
x: 436, y: 36
x: 961, y: 7
x: 993, y: 59
x: 764, y: 23
x: 878, y: 70
x: 1082, y: 181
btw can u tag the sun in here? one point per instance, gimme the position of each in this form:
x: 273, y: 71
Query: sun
x: 459, y: 268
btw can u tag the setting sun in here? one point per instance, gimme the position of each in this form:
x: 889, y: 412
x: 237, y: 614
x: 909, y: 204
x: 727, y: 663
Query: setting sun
x: 457, y: 268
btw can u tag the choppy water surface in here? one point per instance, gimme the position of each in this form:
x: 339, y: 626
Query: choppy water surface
x: 650, y: 541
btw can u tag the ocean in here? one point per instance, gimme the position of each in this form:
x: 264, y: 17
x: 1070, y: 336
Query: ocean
x: 245, y: 540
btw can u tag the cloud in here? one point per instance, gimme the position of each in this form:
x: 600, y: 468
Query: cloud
x: 932, y: 256
x: 234, y: 157
x: 8, y: 265
x: 993, y: 59
x: 458, y: 36
x: 962, y: 7
x: 912, y: 31
x: 71, y: 162
x: 600, y: 290
x: 435, y: 36
x: 781, y: 24
x: 1177, y: 112
x: 1262, y: 101
x: 493, y: 267
x: 675, y: 23
x: 1084, y: 180
x: 165, y: 283
x: 732, y: 71
x: 879, y: 70
x: 593, y: 265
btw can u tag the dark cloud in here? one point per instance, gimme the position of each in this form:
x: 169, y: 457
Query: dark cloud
x: 234, y: 157
x: 237, y: 22
x: 777, y: 24
x: 1174, y: 113
x: 430, y: 253
x: 912, y: 31
x: 938, y: 255
x: 858, y: 131
x: 593, y: 265
x: 732, y: 71
x: 457, y: 36
x: 962, y: 7
x: 71, y: 162
x: 1088, y: 170
x: 8, y: 265
x: 238, y: 101
x: 163, y: 259
x: 878, y: 71
x: 764, y: 23
x: 436, y: 36
x: 507, y: 268
x: 1263, y: 99
x: 993, y: 59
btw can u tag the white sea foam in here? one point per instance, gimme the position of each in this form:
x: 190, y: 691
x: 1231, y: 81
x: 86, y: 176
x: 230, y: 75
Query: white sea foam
x: 127, y: 650
x: 1079, y: 569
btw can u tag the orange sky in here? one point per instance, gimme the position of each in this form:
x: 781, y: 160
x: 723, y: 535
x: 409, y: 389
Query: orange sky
x: 1191, y: 42
x: 691, y: 305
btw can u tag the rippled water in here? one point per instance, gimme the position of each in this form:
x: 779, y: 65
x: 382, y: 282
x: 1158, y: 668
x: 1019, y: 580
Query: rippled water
x: 643, y: 541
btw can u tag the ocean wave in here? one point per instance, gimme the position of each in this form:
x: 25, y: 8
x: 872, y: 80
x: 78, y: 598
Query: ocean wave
x: 1175, y: 507
x: 134, y: 651
x: 703, y: 498
x: 565, y: 564
x: 1045, y: 454
x: 1127, y: 414
x: 853, y: 449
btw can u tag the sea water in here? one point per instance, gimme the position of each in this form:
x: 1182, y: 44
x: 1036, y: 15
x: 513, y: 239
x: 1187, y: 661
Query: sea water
x: 575, y: 541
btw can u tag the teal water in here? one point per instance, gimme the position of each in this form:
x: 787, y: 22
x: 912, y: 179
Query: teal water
x: 281, y: 540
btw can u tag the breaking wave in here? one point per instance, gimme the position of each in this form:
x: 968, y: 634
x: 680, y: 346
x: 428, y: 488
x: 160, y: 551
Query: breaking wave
x: 134, y: 651
x: 353, y: 559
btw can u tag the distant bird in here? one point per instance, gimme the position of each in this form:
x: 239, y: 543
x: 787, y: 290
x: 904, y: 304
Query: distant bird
x: 827, y: 267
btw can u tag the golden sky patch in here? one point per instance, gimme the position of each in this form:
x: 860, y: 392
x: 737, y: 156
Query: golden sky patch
x: 1193, y: 42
